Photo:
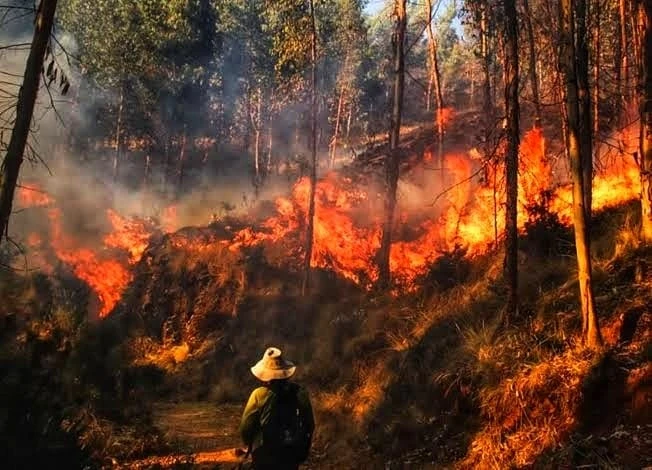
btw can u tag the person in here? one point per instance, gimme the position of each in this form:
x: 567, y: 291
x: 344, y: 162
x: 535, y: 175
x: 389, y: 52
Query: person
x: 277, y: 423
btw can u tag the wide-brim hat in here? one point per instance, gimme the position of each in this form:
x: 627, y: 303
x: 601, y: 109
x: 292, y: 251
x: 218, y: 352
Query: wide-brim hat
x: 273, y: 366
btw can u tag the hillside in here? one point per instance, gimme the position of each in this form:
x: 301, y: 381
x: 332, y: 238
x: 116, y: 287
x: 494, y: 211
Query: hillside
x: 434, y: 381
x: 423, y: 376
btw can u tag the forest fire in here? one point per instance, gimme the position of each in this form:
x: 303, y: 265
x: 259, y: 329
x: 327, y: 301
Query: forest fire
x: 472, y: 214
x: 130, y: 235
x: 107, y: 277
x: 346, y: 238
x: 101, y: 269
x: 32, y: 196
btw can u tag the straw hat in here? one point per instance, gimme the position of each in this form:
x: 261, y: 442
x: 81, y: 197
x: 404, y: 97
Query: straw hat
x: 273, y: 366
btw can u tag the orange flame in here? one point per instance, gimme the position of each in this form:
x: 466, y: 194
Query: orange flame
x: 32, y: 196
x: 129, y: 235
x: 470, y: 215
x: 444, y: 116
x: 169, y: 221
x: 108, y: 278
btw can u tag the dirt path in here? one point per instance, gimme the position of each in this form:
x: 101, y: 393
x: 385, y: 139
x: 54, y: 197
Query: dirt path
x: 204, y: 433
x: 199, y: 426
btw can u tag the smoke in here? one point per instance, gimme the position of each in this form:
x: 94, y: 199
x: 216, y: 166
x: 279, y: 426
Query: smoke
x: 78, y: 182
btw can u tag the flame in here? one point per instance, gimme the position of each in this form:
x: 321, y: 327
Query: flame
x: 169, y: 219
x: 339, y: 243
x: 129, y: 235
x: 469, y: 214
x: 108, y: 278
x: 472, y: 213
x: 103, y: 270
x: 32, y: 196
x: 444, y: 116
x: 34, y: 240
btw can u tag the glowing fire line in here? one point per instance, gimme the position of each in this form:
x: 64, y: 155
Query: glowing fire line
x: 348, y: 247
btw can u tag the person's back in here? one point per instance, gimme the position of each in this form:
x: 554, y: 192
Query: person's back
x: 278, y: 423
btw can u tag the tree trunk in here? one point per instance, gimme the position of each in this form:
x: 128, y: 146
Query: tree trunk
x: 586, y: 144
x: 563, y: 113
x: 624, y: 69
x: 392, y: 159
x: 313, y: 167
x: 256, y: 123
x: 472, y: 89
x: 645, y: 106
x: 182, y: 159
x: 337, y: 125
x: 486, y: 61
x: 348, y: 121
x: 24, y: 111
x: 636, y: 38
x: 270, y: 144
x: 148, y: 166
x: 590, y: 328
x: 246, y: 138
x: 435, y: 77
x: 429, y: 88
x: 596, y: 72
x: 534, y: 82
x: 118, y: 134
x: 488, y: 111
x: 511, y: 156
x: 167, y: 163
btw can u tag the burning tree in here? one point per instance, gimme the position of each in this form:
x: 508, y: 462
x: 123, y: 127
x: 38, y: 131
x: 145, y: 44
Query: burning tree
x: 644, y: 16
x: 392, y: 158
x: 511, y: 155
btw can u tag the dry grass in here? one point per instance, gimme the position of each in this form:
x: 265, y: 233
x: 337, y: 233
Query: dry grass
x: 530, y: 412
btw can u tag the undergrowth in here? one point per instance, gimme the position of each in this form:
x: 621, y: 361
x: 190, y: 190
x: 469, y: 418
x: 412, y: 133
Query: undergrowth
x: 431, y: 377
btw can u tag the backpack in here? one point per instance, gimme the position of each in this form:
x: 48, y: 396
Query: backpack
x: 284, y: 432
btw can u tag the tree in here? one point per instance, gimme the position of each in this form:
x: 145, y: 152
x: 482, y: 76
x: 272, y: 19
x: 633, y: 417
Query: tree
x: 345, y: 38
x: 532, y: 56
x: 568, y: 64
x: 511, y: 155
x: 155, y: 57
x: 313, y: 142
x: 25, y: 110
x: 644, y: 15
x: 486, y: 53
x: 392, y: 158
x: 435, y: 78
x: 584, y: 95
x: 622, y: 71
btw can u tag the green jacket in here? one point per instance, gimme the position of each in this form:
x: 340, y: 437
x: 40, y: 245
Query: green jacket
x: 250, y: 428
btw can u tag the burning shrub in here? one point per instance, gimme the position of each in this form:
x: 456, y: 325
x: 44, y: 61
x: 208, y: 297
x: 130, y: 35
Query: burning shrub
x: 530, y: 412
x: 450, y: 269
x: 545, y: 235
x: 56, y: 372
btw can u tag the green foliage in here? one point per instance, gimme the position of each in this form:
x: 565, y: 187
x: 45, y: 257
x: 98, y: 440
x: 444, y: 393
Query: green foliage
x: 216, y: 70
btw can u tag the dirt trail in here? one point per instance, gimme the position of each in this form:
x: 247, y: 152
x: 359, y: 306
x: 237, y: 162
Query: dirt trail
x: 199, y: 426
x: 205, y: 434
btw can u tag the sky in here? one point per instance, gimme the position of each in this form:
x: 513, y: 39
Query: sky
x: 374, y: 6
